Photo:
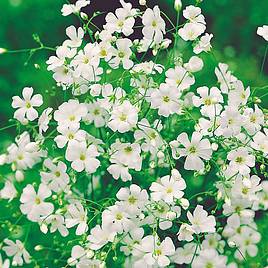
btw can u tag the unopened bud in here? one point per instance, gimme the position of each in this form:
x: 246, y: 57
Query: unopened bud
x: 142, y: 2
x: 84, y: 16
x: 19, y: 175
x: 38, y: 247
x: 2, y: 50
x: 177, y: 5
x: 160, y: 155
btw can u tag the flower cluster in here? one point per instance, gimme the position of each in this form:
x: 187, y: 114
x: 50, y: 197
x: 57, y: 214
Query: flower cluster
x: 108, y: 170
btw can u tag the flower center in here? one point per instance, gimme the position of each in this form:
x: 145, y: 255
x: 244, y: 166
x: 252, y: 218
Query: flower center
x: 37, y: 200
x: 239, y: 160
x: 82, y: 157
x: 71, y: 117
x: 154, y: 23
x: 132, y: 200
x: 166, y: 98
x: 70, y: 136
x: 128, y: 149
x: 96, y: 112
x: 103, y: 53
x: 119, y: 216
x: 169, y: 190
x: 192, y: 150
x: 57, y: 174
x: 120, y: 23
x: 209, y: 265
x: 208, y: 102
x: 28, y: 105
x: 86, y: 60
x: 245, y: 190
x: 123, y: 117
x: 158, y: 252
x: 121, y: 54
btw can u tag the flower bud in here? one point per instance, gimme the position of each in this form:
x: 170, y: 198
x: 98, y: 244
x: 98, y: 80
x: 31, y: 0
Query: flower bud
x: 177, y: 5
x: 231, y: 244
x: 142, y: 2
x: 19, y: 175
x: 171, y: 215
x: 38, y: 247
x: 160, y: 155
x: 2, y: 50
x: 184, y: 203
x: 84, y: 16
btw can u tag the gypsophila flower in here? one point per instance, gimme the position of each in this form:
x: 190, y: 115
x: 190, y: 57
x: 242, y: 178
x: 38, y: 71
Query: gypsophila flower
x: 17, y: 251
x: 25, y: 106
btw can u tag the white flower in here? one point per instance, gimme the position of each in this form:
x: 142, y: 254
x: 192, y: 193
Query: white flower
x: 133, y: 198
x: 201, y: 222
x: 195, y: 64
x: 166, y: 100
x: 44, y: 119
x: 56, y: 177
x: 230, y: 121
x: 8, y: 191
x: 154, y: 25
x: 68, y: 9
x: 26, y: 105
x: 81, y: 258
x: 100, y: 236
x: 209, y: 258
x: 246, y: 242
x: 124, y: 156
x: 117, y: 218
x: 241, y: 160
x: 123, y: 117
x: 83, y: 157
x: 225, y: 77
x: 121, y: 54
x: 57, y: 222
x: 24, y: 154
x: 157, y: 253
x: 194, y: 150
x: 260, y: 141
x: 76, y: 37
x: 70, y: 113
x: 34, y: 204
x: 191, y: 31
x: 210, y: 100
x: 263, y: 31
x: 184, y: 255
x: 86, y: 63
x: 253, y: 120
x: 238, y: 95
x: 68, y: 134
x: 58, y: 61
x: 203, y: 44
x: 193, y: 14
x: 132, y: 241
x: 76, y: 215
x: 119, y: 22
x: 179, y: 77
x: 246, y: 188
x: 168, y: 189
x: 96, y: 114
x: 17, y: 251
x: 185, y: 233
x: 150, y: 137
